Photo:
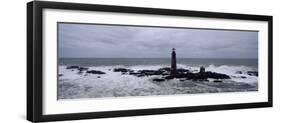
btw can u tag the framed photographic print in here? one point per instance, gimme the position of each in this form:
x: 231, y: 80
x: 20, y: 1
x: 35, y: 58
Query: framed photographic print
x: 95, y: 61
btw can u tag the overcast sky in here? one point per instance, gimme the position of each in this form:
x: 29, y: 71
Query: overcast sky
x: 105, y: 41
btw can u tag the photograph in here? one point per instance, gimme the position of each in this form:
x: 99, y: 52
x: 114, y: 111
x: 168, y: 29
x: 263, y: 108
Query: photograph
x: 112, y: 60
x: 88, y: 60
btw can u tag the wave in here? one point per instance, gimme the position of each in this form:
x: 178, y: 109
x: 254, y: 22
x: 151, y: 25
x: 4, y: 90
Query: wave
x: 113, y: 84
x: 235, y: 72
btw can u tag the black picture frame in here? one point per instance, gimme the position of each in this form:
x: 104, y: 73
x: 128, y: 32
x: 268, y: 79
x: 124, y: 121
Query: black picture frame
x: 35, y: 69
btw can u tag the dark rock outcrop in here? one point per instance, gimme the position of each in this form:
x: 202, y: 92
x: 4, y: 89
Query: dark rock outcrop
x: 158, y: 80
x: 182, y: 80
x: 181, y: 70
x: 217, y: 81
x: 150, y: 72
x: 80, y: 69
x: 182, y: 74
x: 95, y: 72
x: 243, y: 77
x: 72, y: 67
x: 121, y: 70
x: 213, y: 75
x: 83, y: 69
x: 134, y: 73
x: 200, y: 76
x: 252, y: 73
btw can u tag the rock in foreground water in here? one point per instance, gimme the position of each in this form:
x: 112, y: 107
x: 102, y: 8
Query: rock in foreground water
x: 95, y: 72
x: 253, y: 73
x: 180, y: 73
x: 72, y: 67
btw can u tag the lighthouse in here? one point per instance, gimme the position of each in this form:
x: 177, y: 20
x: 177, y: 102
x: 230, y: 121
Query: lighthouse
x: 173, y: 63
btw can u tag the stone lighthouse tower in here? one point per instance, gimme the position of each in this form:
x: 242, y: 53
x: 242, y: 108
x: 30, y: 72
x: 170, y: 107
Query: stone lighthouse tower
x: 173, y: 63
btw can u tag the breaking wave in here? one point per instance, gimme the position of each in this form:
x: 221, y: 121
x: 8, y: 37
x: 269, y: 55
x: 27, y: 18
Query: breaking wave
x: 72, y: 85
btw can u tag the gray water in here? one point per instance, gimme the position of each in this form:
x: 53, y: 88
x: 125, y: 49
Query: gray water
x: 156, y: 61
x: 75, y: 85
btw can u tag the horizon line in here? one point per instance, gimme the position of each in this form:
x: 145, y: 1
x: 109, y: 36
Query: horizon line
x: 156, y: 57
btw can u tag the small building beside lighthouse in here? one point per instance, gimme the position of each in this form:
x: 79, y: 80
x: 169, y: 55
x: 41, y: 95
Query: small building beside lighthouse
x: 173, y: 63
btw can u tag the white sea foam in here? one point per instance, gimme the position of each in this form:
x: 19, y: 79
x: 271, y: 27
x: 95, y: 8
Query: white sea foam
x: 113, y: 84
x: 233, y: 72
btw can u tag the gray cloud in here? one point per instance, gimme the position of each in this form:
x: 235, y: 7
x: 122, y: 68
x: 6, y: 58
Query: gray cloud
x: 84, y: 40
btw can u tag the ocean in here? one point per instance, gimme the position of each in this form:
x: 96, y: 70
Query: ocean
x: 73, y: 84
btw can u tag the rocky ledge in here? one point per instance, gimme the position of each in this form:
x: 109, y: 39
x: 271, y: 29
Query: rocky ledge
x: 82, y: 69
x: 164, y: 73
x: 182, y: 74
